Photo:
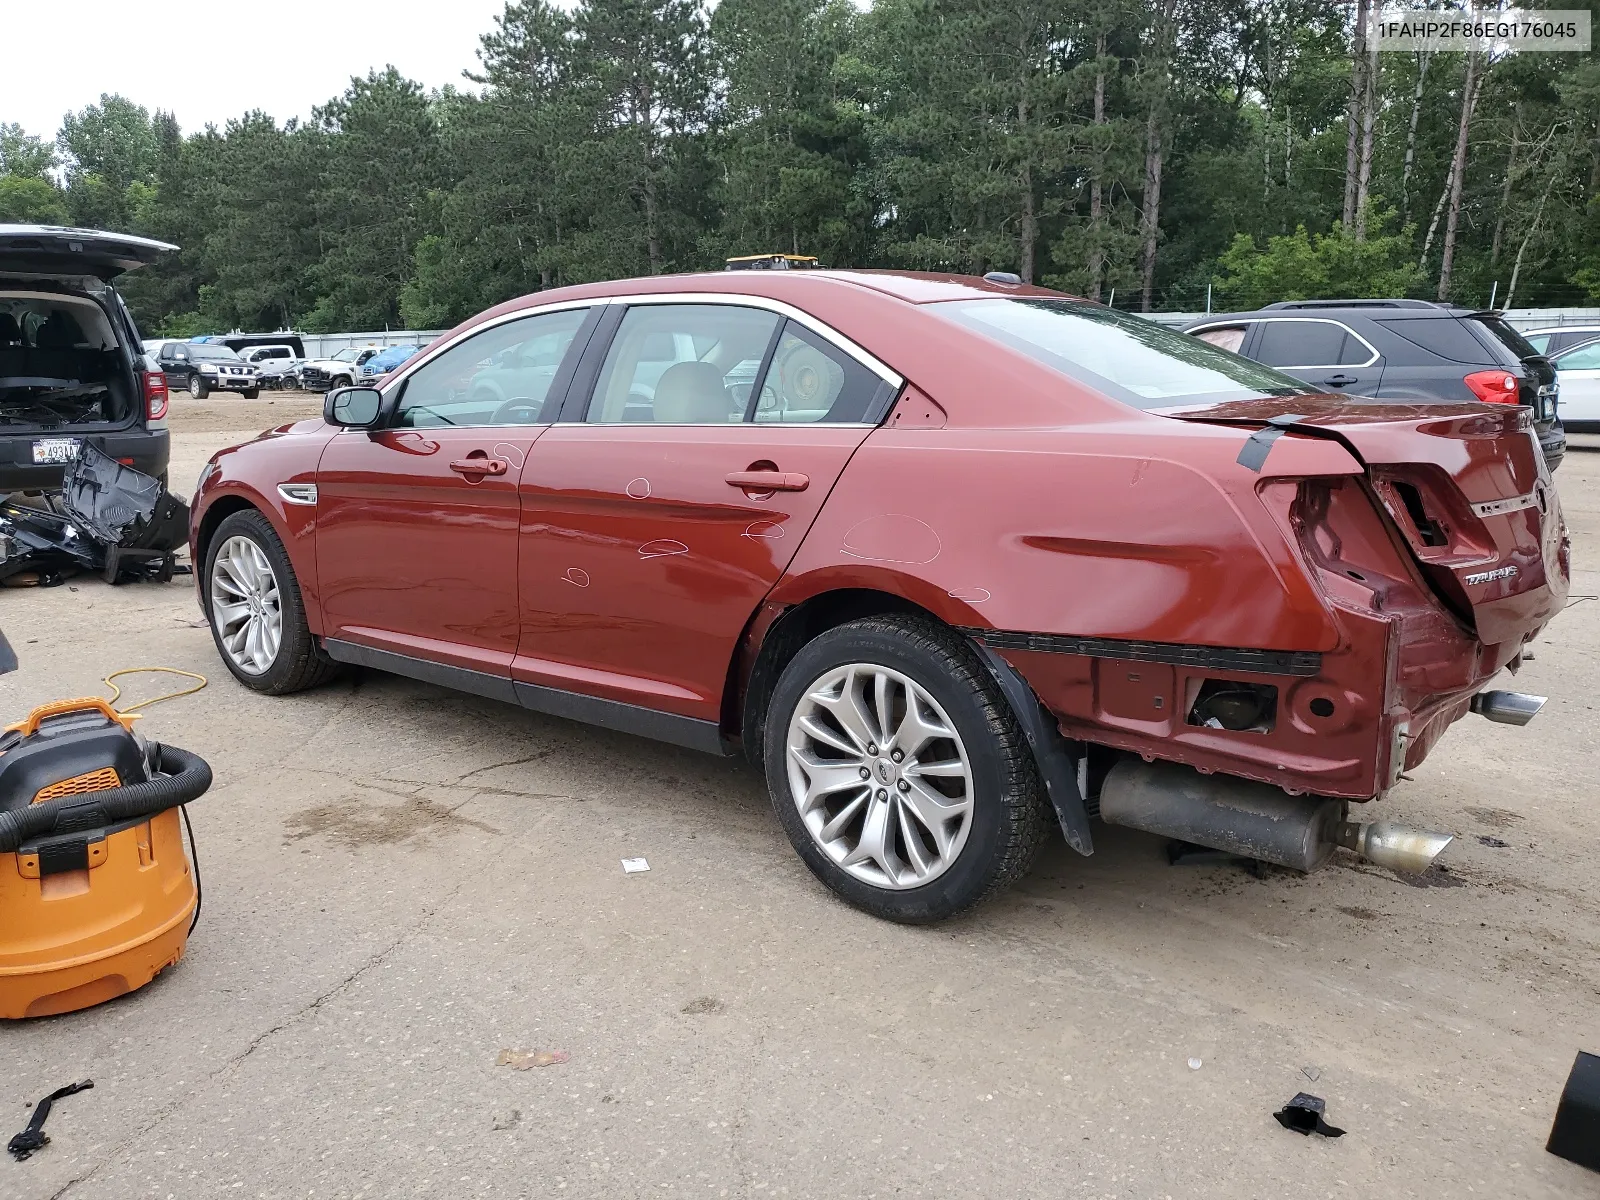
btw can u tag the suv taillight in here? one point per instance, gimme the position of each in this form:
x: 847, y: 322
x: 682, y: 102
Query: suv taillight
x: 1493, y: 387
x: 155, y: 395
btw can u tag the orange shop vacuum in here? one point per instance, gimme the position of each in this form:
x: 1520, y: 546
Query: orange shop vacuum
x: 97, y: 896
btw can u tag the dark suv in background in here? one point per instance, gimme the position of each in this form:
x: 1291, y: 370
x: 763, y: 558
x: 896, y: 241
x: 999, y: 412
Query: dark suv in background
x: 72, y: 369
x: 1402, y: 351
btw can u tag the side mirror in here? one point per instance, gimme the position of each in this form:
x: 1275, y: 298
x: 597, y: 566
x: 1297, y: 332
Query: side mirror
x: 353, y: 407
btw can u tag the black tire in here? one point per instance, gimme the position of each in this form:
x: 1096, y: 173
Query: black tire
x: 340, y: 381
x: 1008, y: 815
x: 301, y: 662
x: 250, y: 393
x: 197, y: 387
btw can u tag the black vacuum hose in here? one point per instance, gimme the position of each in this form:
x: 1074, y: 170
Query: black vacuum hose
x: 183, y: 777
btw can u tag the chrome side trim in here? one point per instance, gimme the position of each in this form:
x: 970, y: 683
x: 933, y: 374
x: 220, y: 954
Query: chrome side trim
x: 298, y: 493
x: 1373, y: 350
x: 874, y: 364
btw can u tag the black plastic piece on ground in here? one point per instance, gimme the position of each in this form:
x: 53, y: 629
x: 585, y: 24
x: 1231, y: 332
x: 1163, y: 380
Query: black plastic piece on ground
x: 1575, y: 1136
x: 1304, y: 1115
x: 34, y: 1137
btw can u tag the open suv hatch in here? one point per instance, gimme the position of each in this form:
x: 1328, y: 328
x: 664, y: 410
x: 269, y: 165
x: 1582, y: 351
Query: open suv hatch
x: 71, y: 364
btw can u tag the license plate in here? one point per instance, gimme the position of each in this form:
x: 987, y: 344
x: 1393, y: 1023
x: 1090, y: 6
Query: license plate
x: 55, y: 450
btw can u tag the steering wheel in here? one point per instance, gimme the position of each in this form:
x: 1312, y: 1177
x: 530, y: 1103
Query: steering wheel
x: 519, y: 410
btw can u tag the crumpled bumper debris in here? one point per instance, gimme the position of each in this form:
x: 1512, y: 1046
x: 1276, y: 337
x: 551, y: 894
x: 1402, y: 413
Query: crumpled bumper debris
x: 108, y: 519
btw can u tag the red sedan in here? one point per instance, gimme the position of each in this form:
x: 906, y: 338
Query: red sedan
x: 952, y: 560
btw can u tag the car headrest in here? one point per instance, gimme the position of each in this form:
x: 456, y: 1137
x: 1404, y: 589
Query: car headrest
x: 10, y: 331
x: 60, y: 331
x: 691, y: 393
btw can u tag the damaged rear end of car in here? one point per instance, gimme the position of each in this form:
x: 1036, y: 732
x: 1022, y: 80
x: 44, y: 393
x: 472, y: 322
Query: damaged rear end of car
x: 1281, y: 602
x: 1437, y: 563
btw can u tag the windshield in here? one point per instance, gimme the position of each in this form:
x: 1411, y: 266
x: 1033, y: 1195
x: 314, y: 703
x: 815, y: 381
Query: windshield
x: 211, y: 353
x: 346, y: 356
x: 1128, y: 358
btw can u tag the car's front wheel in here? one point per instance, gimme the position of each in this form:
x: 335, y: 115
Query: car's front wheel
x: 257, y: 616
x: 898, y: 771
x: 250, y: 393
x: 197, y: 387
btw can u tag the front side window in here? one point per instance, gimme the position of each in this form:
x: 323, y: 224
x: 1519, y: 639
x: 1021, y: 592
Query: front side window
x: 682, y: 364
x: 1128, y: 358
x: 501, y: 376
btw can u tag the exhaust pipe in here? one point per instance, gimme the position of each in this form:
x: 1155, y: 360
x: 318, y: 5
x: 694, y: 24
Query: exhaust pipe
x: 1394, y: 846
x: 1508, y: 708
x: 1255, y: 820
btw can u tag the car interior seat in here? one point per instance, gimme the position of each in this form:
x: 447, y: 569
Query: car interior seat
x: 691, y: 393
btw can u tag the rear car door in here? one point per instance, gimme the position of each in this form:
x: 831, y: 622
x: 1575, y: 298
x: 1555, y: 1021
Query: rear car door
x: 1327, y: 354
x: 659, y: 516
x: 416, y: 536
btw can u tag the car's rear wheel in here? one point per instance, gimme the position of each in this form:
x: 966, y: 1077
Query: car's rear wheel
x: 257, y: 616
x: 197, y: 387
x: 898, y: 771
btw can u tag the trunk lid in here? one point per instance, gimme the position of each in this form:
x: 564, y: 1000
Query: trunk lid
x: 54, y: 250
x: 1465, y: 485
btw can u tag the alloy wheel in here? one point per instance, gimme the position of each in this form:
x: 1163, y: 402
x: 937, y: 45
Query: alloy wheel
x: 245, y: 605
x: 879, y: 776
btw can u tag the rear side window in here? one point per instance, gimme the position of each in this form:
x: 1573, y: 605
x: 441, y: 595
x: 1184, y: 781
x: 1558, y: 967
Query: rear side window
x: 1128, y: 358
x: 1539, y: 341
x: 1224, y: 337
x: 1448, y: 338
x: 1309, y: 344
x: 1497, y: 335
x: 810, y: 381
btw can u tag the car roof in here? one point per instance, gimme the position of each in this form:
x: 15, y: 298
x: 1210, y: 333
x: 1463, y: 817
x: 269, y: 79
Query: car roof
x: 915, y: 287
x: 1329, y: 311
x: 1587, y: 328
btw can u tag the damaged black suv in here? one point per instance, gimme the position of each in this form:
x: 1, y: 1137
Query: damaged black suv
x: 72, y: 369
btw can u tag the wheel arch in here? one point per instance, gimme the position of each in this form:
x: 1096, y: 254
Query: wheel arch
x: 293, y: 528
x: 777, y: 632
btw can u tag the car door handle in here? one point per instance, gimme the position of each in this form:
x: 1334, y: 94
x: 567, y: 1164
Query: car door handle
x: 479, y: 466
x: 769, y: 481
x: 1340, y: 380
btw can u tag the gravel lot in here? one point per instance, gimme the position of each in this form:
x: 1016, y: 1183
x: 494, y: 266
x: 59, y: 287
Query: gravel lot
x: 400, y: 882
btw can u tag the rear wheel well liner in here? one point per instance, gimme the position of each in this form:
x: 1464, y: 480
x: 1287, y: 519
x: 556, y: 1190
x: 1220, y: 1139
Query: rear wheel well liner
x: 790, y: 630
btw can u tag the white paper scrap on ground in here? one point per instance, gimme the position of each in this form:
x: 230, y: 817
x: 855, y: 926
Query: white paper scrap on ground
x: 631, y: 866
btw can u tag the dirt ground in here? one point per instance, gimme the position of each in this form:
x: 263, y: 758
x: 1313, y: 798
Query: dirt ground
x: 401, y: 882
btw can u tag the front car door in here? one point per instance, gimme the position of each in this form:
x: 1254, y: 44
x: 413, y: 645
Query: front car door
x: 174, y: 360
x: 1325, y: 353
x: 1578, y: 371
x: 657, y: 518
x: 417, y: 521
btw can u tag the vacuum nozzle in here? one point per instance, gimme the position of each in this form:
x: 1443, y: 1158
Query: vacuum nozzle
x: 1398, y: 847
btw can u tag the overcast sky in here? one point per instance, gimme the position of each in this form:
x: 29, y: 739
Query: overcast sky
x: 208, y: 60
